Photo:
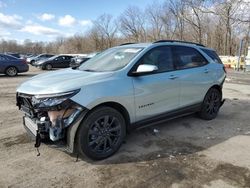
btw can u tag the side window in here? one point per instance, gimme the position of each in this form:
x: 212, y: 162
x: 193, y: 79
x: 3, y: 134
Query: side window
x: 212, y: 54
x: 6, y: 58
x: 59, y: 58
x: 2, y: 58
x: 160, y: 57
x: 187, y: 57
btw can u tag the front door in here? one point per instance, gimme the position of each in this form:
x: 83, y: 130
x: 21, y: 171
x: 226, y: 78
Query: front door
x: 158, y: 92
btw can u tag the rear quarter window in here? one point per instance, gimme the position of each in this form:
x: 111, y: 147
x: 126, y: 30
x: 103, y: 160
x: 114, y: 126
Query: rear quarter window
x: 187, y: 57
x: 213, y: 55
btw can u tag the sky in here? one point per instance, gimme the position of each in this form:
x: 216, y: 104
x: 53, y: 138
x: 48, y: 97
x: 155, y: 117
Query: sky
x: 45, y: 20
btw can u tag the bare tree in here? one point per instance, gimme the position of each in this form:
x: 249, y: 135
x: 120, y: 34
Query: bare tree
x: 219, y: 24
x: 177, y: 8
x: 231, y: 14
x: 132, y: 24
x: 106, y: 30
x: 194, y: 16
x: 154, y: 15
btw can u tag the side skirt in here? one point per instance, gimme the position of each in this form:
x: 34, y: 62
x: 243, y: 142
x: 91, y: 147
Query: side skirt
x: 166, y: 117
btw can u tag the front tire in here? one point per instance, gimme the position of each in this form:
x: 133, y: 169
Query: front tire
x: 48, y: 66
x: 101, y: 133
x: 11, y: 71
x: 211, y: 104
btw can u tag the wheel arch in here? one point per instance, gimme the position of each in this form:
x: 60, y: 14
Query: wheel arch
x: 71, y: 135
x: 9, y: 67
x: 48, y: 63
x: 215, y: 86
x: 117, y: 106
x: 218, y: 87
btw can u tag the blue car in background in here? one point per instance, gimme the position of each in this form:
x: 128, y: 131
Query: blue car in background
x: 11, y: 65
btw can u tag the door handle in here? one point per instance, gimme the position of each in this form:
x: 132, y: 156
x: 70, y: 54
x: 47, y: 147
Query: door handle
x: 206, y: 71
x: 172, y: 77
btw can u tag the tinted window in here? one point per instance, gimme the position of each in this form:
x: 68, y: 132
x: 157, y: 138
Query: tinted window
x: 9, y: 57
x: 187, y: 57
x: 212, y: 54
x: 2, y: 58
x: 15, y: 55
x: 160, y: 57
x: 68, y: 57
x: 60, y: 58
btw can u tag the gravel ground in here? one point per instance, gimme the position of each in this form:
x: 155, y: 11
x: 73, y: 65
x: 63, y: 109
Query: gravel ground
x: 185, y: 152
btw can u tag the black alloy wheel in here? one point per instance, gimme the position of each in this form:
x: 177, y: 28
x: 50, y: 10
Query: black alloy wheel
x: 101, y: 133
x: 104, y: 134
x: 211, y: 104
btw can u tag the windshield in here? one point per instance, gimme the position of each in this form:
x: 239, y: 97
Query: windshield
x: 111, y: 60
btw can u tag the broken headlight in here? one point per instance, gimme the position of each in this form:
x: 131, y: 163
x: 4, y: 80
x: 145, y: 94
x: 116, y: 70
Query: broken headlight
x: 50, y: 100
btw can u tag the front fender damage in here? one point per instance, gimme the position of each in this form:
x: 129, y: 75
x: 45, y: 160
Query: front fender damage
x: 55, y: 123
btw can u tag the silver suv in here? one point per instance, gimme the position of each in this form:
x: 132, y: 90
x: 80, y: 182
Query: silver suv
x: 92, y: 107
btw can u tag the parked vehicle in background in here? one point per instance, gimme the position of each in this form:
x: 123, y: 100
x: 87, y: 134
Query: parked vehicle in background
x: 92, y: 107
x: 17, y: 55
x: 79, y: 60
x: 26, y: 55
x: 32, y: 60
x: 58, y: 61
x: 11, y: 65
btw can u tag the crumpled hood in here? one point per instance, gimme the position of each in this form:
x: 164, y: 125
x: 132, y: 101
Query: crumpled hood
x: 61, y: 81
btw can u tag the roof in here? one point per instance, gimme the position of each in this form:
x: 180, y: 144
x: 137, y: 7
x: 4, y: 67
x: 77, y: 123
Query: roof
x: 134, y: 45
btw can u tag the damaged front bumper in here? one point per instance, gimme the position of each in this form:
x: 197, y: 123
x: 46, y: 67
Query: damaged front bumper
x: 50, y: 117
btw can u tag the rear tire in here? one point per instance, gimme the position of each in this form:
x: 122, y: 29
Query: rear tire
x: 101, y: 133
x: 211, y: 104
x: 11, y: 71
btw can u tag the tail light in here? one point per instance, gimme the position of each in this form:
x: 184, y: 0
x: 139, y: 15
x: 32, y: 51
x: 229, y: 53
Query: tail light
x: 224, y: 68
x: 24, y: 61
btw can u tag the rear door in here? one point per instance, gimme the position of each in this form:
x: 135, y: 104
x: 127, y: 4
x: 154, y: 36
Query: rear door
x: 57, y: 63
x: 195, y: 75
x: 158, y: 92
x: 66, y: 61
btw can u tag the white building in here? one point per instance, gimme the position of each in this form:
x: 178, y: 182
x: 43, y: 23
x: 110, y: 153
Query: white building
x: 248, y: 60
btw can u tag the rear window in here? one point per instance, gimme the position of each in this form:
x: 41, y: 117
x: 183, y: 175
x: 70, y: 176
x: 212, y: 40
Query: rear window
x: 9, y: 57
x: 212, y: 54
x: 2, y: 58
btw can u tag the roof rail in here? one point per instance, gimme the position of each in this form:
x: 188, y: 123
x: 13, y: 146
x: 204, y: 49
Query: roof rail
x: 180, y: 41
x: 126, y: 43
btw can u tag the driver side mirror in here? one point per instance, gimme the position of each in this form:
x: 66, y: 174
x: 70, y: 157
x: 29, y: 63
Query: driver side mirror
x: 145, y: 69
